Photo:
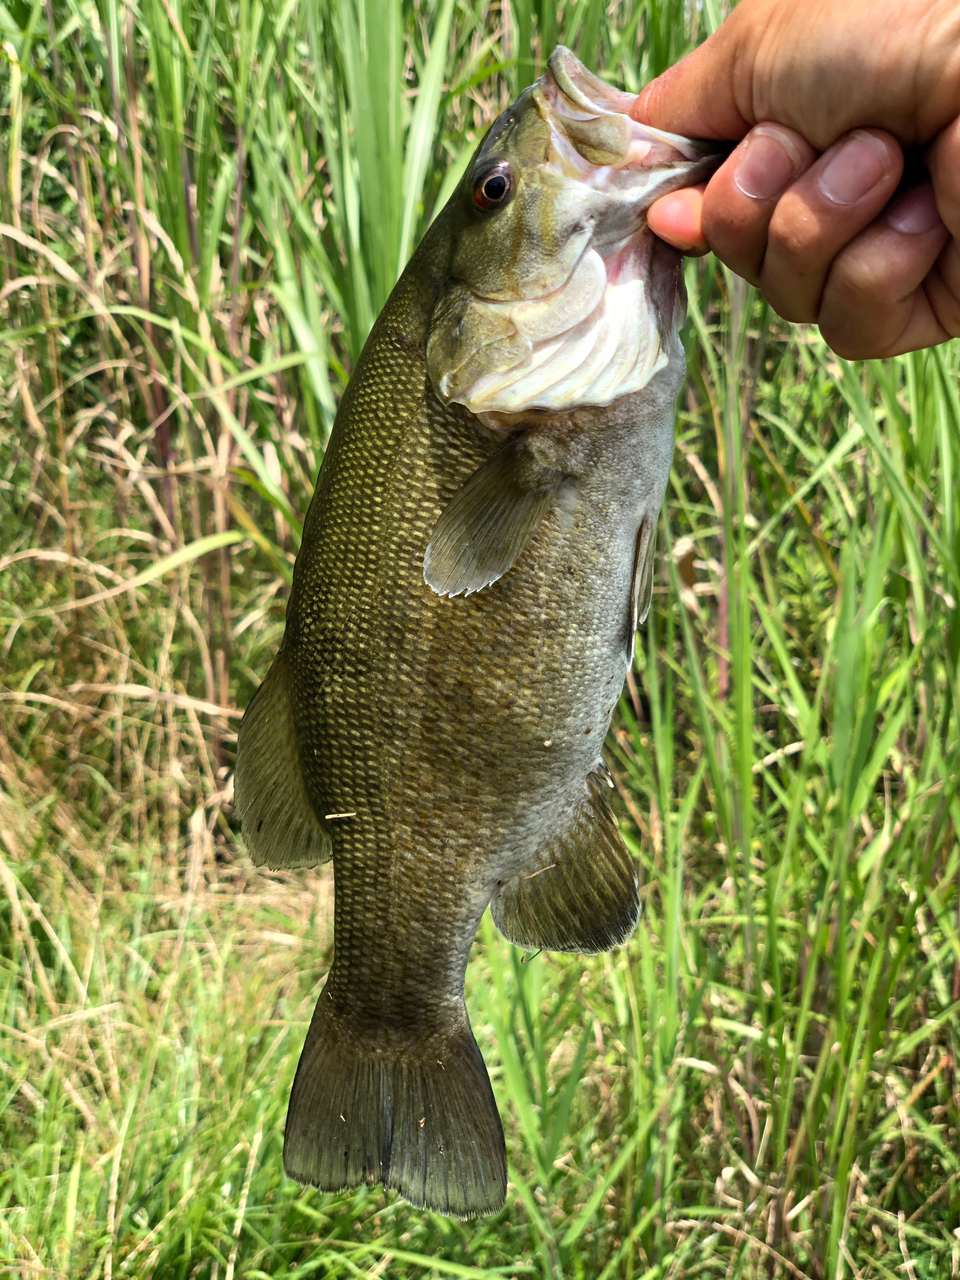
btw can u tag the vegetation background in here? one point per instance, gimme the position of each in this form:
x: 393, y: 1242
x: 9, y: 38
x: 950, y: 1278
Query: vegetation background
x: 204, y: 204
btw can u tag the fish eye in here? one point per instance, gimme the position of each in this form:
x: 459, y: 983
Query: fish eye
x: 493, y: 188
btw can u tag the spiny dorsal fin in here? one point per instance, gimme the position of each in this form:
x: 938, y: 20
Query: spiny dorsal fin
x: 580, y: 892
x: 280, y: 826
x: 486, y: 526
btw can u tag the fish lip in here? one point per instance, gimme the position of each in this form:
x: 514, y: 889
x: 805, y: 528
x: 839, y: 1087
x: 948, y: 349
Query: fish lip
x: 688, y: 173
x: 582, y: 89
x: 577, y: 94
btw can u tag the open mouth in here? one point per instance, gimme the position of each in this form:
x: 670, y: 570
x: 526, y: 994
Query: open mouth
x: 594, y: 117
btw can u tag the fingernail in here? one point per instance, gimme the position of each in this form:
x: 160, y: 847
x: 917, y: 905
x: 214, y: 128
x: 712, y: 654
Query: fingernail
x: 915, y: 212
x: 769, y: 161
x: 854, y: 168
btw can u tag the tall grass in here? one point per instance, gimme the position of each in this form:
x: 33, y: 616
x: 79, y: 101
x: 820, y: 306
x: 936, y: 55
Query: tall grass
x: 202, y: 209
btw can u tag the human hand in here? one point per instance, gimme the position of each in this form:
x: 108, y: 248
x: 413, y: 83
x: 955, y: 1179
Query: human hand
x: 828, y: 238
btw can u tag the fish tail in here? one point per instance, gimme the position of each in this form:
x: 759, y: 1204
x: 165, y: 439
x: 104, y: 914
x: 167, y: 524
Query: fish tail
x: 413, y: 1112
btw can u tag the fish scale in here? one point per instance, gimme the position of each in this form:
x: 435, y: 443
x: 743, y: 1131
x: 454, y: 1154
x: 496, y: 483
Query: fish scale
x: 460, y: 625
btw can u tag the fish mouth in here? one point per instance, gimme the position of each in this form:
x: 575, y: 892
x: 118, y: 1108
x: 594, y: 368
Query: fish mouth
x: 606, y: 147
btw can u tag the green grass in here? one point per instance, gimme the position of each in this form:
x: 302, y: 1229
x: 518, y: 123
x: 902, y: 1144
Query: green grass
x: 203, y: 208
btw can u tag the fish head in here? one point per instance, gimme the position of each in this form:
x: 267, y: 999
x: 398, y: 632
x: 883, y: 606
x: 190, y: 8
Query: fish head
x: 558, y: 295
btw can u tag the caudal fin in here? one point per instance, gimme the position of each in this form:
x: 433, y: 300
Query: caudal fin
x: 415, y: 1114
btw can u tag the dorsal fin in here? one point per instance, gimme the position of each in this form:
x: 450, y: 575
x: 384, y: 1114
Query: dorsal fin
x: 280, y: 826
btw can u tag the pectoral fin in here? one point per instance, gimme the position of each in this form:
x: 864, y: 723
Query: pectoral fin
x: 481, y: 534
x: 280, y: 826
x: 580, y: 893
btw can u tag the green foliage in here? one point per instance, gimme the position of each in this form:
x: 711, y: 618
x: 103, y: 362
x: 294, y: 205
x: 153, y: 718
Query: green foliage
x: 202, y: 209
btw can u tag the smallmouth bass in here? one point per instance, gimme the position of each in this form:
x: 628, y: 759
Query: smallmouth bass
x: 474, y: 564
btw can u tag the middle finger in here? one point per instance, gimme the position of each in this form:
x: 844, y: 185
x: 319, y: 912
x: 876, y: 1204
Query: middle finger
x: 820, y: 213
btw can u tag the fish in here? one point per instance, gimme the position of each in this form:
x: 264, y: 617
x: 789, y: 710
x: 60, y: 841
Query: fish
x: 475, y: 560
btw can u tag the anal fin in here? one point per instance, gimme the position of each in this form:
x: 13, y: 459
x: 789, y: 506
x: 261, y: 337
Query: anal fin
x: 280, y: 826
x: 486, y: 525
x: 580, y: 893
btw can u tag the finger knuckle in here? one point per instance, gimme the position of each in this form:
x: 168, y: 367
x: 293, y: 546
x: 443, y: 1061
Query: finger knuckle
x: 795, y: 237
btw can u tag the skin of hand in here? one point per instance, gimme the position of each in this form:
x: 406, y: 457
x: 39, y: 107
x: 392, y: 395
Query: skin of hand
x: 826, y: 99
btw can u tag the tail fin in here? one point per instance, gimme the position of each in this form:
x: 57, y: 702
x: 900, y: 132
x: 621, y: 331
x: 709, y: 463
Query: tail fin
x: 415, y: 1114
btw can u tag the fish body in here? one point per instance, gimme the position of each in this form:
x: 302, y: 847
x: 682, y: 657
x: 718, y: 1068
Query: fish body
x: 474, y: 563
